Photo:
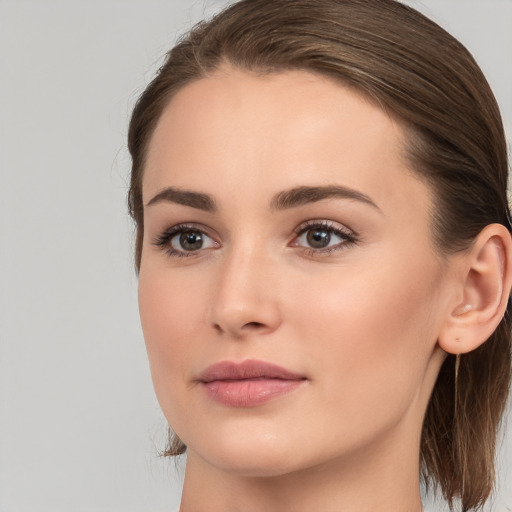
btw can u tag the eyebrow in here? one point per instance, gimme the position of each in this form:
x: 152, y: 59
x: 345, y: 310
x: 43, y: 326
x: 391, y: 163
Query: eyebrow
x: 292, y: 198
x: 304, y: 195
x: 185, y: 198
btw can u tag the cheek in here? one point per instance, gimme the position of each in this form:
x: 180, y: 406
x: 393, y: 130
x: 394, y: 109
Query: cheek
x: 370, y: 332
x: 172, y: 317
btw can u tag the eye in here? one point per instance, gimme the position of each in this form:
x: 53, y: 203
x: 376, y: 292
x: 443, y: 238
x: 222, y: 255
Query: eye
x: 323, y: 236
x: 185, y: 240
x: 188, y: 241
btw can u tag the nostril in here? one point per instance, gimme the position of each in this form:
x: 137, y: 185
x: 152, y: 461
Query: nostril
x: 254, y: 325
x: 248, y: 326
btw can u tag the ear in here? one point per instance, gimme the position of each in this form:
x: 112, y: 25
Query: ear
x: 485, y: 282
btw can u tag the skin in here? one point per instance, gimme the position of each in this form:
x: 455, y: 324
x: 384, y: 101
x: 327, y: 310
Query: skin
x: 360, y: 322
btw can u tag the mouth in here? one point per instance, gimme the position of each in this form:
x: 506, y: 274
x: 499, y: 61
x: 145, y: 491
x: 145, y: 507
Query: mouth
x: 249, y: 383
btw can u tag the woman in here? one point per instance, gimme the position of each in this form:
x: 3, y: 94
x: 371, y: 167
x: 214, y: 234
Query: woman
x: 324, y: 254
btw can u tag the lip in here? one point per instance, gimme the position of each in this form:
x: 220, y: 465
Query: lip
x: 249, y: 383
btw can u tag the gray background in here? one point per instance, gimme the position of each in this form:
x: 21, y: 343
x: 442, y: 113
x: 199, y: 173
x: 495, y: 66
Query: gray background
x: 79, y: 424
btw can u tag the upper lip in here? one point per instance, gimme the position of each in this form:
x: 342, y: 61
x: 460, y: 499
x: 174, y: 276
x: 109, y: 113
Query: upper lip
x: 248, y: 369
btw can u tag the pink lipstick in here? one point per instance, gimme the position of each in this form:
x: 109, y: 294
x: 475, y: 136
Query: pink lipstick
x: 249, y: 383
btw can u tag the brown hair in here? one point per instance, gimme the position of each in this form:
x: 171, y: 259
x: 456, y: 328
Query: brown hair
x: 456, y: 142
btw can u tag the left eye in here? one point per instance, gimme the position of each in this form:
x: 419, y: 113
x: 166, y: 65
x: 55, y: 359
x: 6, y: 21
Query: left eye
x: 322, y: 237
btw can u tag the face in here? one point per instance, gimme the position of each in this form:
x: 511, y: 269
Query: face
x: 290, y: 295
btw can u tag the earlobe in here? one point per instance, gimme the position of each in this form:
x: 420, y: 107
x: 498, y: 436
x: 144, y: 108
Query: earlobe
x: 486, y: 279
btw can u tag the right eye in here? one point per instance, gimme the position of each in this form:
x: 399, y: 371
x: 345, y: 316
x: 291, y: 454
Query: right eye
x: 185, y: 240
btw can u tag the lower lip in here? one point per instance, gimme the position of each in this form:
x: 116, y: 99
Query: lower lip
x: 249, y: 392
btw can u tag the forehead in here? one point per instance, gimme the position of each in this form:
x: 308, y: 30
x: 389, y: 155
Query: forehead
x: 237, y: 131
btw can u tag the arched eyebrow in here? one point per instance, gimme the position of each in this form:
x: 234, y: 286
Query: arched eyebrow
x: 186, y: 198
x: 304, y: 195
x: 282, y: 201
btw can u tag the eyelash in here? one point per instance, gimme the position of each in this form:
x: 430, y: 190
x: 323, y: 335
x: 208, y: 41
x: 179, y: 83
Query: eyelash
x: 348, y: 236
x: 164, y: 240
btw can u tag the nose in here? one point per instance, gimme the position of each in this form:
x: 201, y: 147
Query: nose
x: 246, y: 298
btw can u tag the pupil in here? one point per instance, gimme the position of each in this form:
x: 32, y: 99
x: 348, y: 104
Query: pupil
x: 191, y: 241
x: 318, y: 239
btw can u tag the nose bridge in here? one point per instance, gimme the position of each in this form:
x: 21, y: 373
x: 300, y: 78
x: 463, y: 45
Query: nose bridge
x: 246, y: 299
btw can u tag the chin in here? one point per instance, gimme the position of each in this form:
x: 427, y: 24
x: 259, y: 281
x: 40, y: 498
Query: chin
x: 254, y: 463
x: 254, y: 454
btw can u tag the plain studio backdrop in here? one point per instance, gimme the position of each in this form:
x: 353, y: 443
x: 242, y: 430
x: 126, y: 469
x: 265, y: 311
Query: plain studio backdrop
x: 80, y: 428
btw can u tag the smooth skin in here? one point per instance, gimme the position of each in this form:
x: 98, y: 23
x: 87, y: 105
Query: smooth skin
x: 366, y: 319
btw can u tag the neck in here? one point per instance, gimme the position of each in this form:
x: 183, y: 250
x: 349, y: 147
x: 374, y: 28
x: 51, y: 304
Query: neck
x: 383, y: 477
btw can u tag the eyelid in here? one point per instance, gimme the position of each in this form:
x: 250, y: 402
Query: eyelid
x: 329, y: 225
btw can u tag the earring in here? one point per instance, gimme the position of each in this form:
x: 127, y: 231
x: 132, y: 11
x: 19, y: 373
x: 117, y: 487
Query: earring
x: 456, y: 394
x: 464, y: 309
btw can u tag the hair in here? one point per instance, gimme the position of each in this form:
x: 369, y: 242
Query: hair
x: 420, y: 74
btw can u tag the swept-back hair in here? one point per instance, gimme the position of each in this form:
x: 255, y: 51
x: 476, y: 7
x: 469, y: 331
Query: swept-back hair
x: 455, y: 142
